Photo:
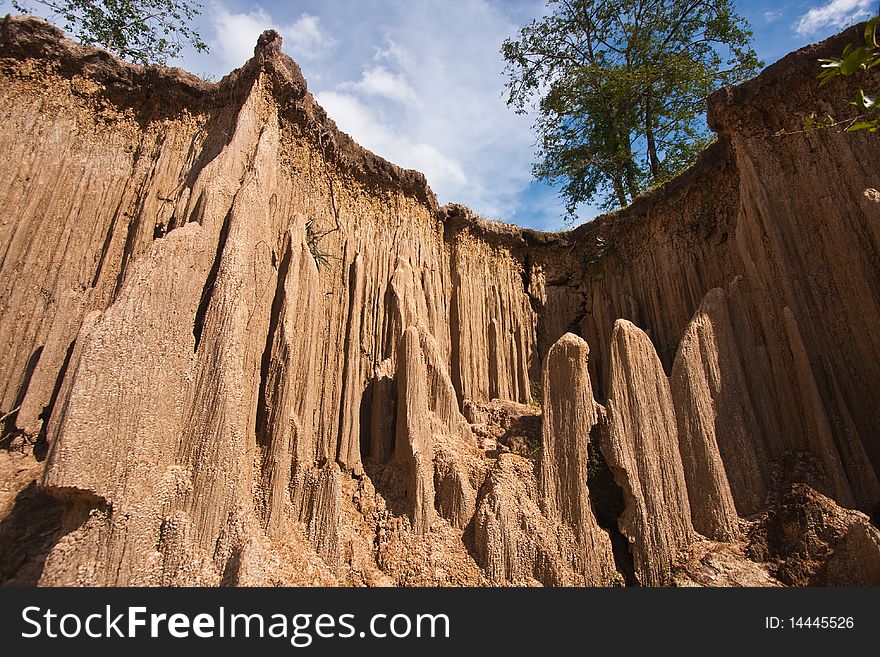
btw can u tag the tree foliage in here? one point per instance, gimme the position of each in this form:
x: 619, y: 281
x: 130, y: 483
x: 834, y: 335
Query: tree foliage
x: 620, y: 88
x: 851, y: 61
x: 142, y: 31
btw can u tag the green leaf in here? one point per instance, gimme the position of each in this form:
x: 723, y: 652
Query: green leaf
x: 831, y: 70
x: 871, y: 32
x: 863, y: 125
x: 854, y: 61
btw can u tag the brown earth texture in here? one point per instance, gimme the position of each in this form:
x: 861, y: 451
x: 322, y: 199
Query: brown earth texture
x: 238, y: 349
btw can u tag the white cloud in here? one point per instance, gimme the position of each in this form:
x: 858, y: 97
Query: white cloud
x: 305, y: 38
x: 372, y: 132
x: 236, y: 34
x: 834, y: 14
x: 772, y: 15
x: 392, y: 52
x: 379, y: 81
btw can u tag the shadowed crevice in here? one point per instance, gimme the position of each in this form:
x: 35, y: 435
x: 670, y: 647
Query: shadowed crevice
x: 606, y: 498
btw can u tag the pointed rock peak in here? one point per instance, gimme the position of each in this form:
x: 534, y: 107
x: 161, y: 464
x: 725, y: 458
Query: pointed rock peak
x: 410, y: 309
x: 631, y: 341
x: 269, y: 41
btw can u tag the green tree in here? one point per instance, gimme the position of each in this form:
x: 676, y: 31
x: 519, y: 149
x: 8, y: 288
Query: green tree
x: 142, y: 31
x: 620, y: 89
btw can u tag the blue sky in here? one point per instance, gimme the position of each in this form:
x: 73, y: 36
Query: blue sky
x: 420, y: 82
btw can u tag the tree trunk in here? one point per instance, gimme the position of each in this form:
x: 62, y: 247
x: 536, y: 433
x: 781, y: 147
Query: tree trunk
x: 631, y: 184
x: 620, y: 173
x: 619, y: 190
x: 629, y: 166
x: 653, y: 160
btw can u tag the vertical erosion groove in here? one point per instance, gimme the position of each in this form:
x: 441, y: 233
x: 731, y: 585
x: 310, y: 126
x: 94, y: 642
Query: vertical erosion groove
x: 210, y: 281
x: 261, y: 424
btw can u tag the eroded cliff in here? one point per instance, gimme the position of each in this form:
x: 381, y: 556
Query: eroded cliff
x: 239, y: 349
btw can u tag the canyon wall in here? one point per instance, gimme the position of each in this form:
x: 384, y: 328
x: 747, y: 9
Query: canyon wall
x: 244, y: 350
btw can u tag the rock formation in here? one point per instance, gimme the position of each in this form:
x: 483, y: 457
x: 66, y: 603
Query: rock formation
x: 712, y: 407
x: 515, y: 543
x: 808, y: 539
x: 544, y: 529
x: 640, y: 445
x: 414, y: 445
x: 569, y: 415
x: 237, y: 348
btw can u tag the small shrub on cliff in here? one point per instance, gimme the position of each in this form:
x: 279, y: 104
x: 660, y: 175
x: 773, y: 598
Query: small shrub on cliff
x: 851, y: 61
x: 313, y: 241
